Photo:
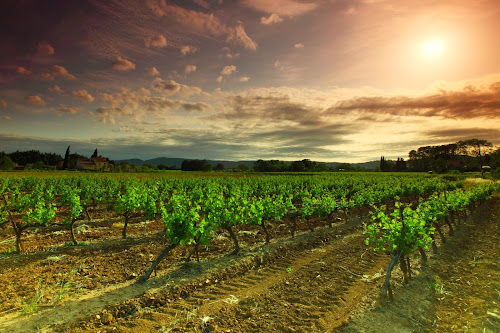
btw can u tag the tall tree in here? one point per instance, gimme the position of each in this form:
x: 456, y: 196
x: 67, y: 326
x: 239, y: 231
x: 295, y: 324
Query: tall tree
x: 472, y: 148
x: 94, y: 154
x: 66, y: 159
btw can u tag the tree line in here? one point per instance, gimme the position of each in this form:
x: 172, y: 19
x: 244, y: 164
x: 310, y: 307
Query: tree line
x: 463, y: 156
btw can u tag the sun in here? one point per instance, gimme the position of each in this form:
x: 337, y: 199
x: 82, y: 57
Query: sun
x: 432, y: 48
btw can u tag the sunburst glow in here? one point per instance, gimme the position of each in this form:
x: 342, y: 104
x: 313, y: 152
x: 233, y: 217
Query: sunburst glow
x: 432, y: 48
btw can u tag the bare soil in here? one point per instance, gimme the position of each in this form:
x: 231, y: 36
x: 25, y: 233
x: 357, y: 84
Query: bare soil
x: 321, y: 281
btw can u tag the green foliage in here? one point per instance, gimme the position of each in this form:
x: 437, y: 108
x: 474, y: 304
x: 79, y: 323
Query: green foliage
x: 6, y: 163
x: 496, y: 173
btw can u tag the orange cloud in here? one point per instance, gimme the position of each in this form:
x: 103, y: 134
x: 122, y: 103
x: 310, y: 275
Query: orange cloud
x: 273, y: 18
x: 289, y: 8
x: 56, y: 89
x: 121, y: 64
x: 157, y: 41
x: 189, y: 69
x: 153, y: 71
x: 46, y: 76
x: 36, y: 100
x: 298, y: 45
x: 201, y: 22
x: 471, y: 102
x: 7, y: 118
x: 244, y: 79
x: 228, y: 70
x: 83, y: 95
x: 186, y: 49
x: 23, y: 71
x: 3, y: 103
x: 62, y: 72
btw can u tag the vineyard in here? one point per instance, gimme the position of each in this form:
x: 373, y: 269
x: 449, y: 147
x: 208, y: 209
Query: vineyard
x: 190, y: 253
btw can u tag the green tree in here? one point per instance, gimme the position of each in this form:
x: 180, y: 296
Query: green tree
x: 241, y: 168
x: 6, y: 163
x: 473, y: 147
x: 66, y: 159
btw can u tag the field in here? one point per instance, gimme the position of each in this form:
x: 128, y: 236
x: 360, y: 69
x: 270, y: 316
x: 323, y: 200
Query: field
x: 324, y: 278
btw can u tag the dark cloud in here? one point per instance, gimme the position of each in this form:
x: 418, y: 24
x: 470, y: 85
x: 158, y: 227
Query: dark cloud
x: 469, y: 103
x: 199, y: 107
x: 45, y: 49
x: 457, y: 134
x: 308, y: 137
x: 271, y: 109
x: 30, y: 28
x: 171, y: 87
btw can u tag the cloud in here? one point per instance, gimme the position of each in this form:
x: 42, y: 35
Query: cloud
x: 7, y: 118
x: 46, y: 76
x: 219, y: 79
x: 126, y: 99
x: 171, y: 87
x: 134, y: 105
x: 44, y: 48
x: 83, y: 95
x: 56, y: 89
x: 298, y: 45
x: 62, y: 72
x: 228, y: 70
x: 471, y: 102
x: 202, y: 3
x: 201, y: 23
x: 64, y: 109
x: 230, y: 55
x: 275, y: 109
x: 35, y: 100
x: 157, y: 41
x: 199, y: 107
x: 457, y: 134
x: 23, y: 71
x: 189, y: 69
x: 3, y: 103
x: 273, y: 18
x: 187, y: 49
x: 107, y: 115
x: 288, y: 8
x: 239, y: 34
x: 244, y: 79
x: 121, y: 64
x: 153, y: 71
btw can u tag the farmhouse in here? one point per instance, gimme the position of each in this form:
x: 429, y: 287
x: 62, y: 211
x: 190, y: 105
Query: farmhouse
x: 92, y: 164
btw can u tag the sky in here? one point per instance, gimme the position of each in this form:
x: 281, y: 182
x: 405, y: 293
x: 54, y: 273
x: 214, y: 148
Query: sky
x: 326, y: 80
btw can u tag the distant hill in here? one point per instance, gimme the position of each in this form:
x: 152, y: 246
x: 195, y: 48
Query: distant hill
x: 171, y: 161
